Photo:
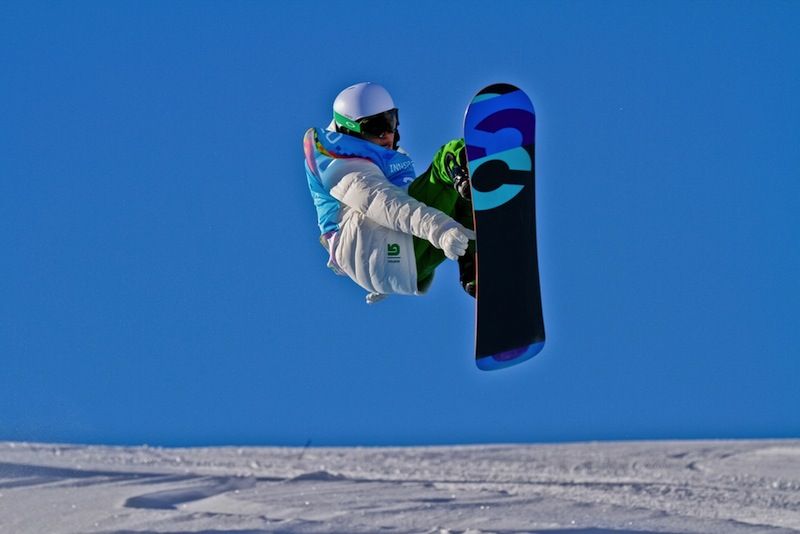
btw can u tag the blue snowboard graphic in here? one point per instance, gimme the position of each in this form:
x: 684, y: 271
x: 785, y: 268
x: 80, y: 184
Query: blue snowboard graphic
x: 499, y: 130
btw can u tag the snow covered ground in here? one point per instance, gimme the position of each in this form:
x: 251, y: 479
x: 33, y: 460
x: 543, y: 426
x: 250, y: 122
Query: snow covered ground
x: 721, y: 487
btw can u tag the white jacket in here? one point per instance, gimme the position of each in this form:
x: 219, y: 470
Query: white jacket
x: 374, y: 244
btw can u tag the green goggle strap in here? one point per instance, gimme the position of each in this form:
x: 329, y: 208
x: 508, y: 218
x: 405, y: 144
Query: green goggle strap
x: 341, y: 120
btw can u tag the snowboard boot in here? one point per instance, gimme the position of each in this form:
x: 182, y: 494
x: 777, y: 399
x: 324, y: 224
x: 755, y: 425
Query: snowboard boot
x: 466, y: 273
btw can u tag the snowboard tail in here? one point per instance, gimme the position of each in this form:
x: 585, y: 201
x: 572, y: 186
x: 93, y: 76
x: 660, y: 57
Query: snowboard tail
x: 499, y: 130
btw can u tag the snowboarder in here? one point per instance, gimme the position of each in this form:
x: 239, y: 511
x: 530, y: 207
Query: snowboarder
x: 381, y: 226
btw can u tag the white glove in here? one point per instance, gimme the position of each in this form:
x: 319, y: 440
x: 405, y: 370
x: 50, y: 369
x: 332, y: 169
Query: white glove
x: 454, y: 241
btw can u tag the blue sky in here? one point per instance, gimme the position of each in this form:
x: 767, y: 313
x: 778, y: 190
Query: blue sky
x: 161, y: 280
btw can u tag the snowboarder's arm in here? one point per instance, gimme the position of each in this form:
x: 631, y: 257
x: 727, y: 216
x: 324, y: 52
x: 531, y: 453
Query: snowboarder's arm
x: 363, y: 188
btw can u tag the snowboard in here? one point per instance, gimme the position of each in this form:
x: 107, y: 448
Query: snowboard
x: 499, y: 130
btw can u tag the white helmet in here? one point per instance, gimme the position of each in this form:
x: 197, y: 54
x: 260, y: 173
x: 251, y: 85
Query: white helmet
x: 360, y: 100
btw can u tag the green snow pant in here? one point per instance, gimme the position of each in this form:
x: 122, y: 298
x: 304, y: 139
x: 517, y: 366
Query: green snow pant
x: 434, y: 187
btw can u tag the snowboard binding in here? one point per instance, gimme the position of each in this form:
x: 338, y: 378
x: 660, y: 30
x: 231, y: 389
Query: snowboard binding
x: 459, y: 175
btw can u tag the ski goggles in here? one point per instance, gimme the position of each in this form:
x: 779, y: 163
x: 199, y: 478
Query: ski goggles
x: 372, y: 126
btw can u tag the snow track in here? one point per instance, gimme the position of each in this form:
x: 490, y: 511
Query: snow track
x: 721, y: 487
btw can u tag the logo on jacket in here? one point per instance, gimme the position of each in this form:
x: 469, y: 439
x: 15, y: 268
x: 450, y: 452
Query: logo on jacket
x: 393, y: 251
x: 397, y: 167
